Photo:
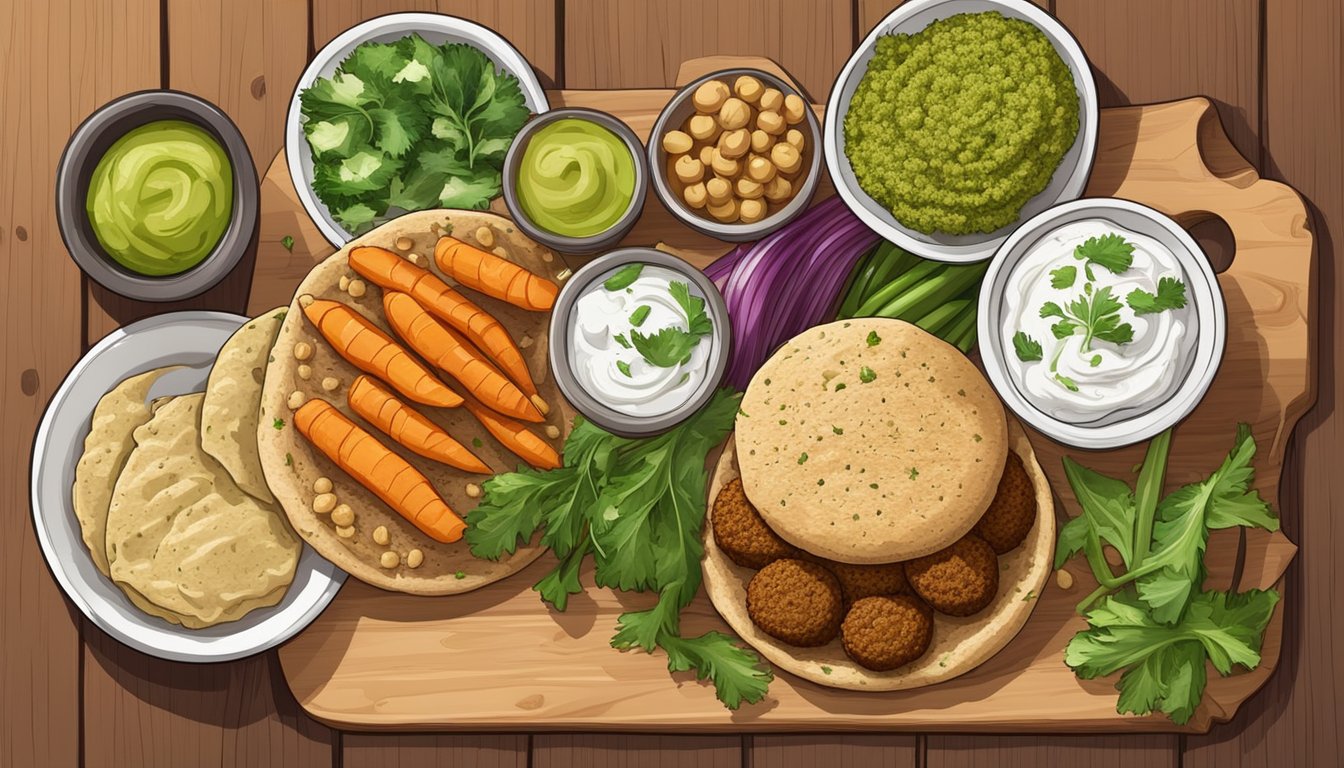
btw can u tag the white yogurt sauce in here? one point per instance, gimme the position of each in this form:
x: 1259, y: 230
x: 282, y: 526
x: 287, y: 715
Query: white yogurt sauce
x: 1133, y: 377
x: 597, y: 358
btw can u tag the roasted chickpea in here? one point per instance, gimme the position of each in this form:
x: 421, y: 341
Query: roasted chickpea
x: 726, y: 213
x: 761, y: 142
x: 718, y: 191
x: 786, y: 158
x: 707, y: 155
x: 751, y: 211
x: 760, y: 169
x: 689, y: 170
x: 695, y: 195
x: 677, y: 143
x: 748, y: 189
x: 703, y: 128
x: 778, y: 189
x: 734, y: 144
x: 710, y: 96
x: 724, y: 166
x: 793, y: 108
x: 795, y: 137
x: 748, y: 89
x: 770, y: 122
x: 734, y: 114
x: 772, y: 100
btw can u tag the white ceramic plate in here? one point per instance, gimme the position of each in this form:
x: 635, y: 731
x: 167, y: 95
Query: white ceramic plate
x: 1118, y: 429
x: 436, y: 28
x: 1070, y: 177
x: 190, y: 339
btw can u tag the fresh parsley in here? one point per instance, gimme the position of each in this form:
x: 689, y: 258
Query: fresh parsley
x: 624, y: 277
x: 672, y: 346
x: 1027, y: 348
x: 1064, y: 277
x: 874, y: 339
x: 1111, y: 251
x: 287, y: 242
x: 867, y: 375
x: 1170, y: 295
x: 1095, y: 316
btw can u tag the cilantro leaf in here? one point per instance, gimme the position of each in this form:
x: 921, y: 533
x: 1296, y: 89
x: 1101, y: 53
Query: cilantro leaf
x: 1110, y: 251
x: 287, y: 242
x: 1027, y: 349
x: 473, y: 194
x: 1108, y: 516
x: 1170, y: 295
x: 667, y: 348
x: 623, y: 277
x: 1063, y: 277
x: 357, y: 218
x: 697, y: 322
x: 563, y: 580
x: 737, y: 673
x: 1095, y: 315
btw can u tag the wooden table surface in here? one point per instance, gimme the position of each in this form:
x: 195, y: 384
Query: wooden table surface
x: 74, y: 696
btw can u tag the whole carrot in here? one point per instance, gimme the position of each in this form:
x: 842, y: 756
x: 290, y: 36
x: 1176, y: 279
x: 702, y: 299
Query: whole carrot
x: 384, y: 473
x: 388, y: 270
x: 408, y: 427
x: 516, y: 437
x: 370, y: 350
x: 494, y: 276
x: 444, y: 348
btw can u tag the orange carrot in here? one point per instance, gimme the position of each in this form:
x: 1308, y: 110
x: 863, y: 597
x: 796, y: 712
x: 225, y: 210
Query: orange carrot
x: 370, y: 350
x: 444, y: 348
x: 387, y: 269
x: 408, y: 427
x: 494, y: 276
x: 516, y: 437
x: 378, y: 469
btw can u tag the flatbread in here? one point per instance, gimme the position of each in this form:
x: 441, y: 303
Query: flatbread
x: 905, y: 432
x: 115, y: 417
x: 959, y: 644
x: 292, y: 465
x: 182, y: 536
x: 229, y: 415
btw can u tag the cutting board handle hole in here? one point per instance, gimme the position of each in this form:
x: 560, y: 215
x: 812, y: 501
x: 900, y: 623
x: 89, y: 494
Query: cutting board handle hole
x: 1215, y: 237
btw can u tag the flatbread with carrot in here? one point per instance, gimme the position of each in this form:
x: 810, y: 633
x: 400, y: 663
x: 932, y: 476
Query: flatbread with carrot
x: 376, y: 433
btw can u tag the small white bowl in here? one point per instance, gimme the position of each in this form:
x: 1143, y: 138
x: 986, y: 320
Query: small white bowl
x: 435, y: 28
x: 1070, y: 177
x: 1203, y: 294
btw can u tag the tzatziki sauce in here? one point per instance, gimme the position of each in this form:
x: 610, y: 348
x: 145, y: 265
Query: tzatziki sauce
x: 611, y: 330
x: 1089, y: 339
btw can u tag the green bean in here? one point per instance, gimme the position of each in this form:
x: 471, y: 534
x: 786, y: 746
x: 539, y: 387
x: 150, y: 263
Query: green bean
x: 918, y: 275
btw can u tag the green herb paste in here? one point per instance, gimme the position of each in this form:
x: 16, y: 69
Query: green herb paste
x: 577, y: 178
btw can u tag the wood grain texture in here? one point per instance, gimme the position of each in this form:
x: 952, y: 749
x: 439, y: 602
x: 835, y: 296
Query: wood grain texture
x: 872, y: 11
x: 62, y: 60
x: 531, y: 25
x: 848, y: 750
x: 1153, y: 751
x: 619, y: 44
x: 1298, y: 718
x: 603, y: 751
x: 416, y: 750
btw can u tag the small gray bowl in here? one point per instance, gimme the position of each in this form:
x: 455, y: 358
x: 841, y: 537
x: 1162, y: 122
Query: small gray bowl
x: 580, y: 246
x: 90, y: 142
x: 562, y: 321
x: 675, y: 114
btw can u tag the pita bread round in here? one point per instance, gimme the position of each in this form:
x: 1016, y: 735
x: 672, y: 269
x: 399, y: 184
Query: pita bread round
x: 959, y: 644
x: 232, y: 395
x: 292, y: 465
x: 903, y: 431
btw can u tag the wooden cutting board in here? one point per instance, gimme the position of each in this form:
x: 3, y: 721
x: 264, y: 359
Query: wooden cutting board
x: 498, y: 659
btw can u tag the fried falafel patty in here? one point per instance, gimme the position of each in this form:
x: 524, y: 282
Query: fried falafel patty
x: 860, y: 581
x: 958, y: 581
x: 797, y: 602
x: 742, y: 534
x: 886, y: 632
x: 1012, y: 512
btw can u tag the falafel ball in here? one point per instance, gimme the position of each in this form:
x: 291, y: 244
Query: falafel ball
x: 1012, y: 512
x: 958, y: 581
x: 860, y: 581
x: 797, y: 602
x: 886, y: 632
x: 742, y: 534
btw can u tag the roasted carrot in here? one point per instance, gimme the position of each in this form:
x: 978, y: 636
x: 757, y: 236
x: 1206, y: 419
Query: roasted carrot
x: 494, y: 276
x: 371, y: 351
x: 443, y: 347
x: 384, y: 473
x: 385, y: 268
x: 408, y: 426
x: 516, y: 437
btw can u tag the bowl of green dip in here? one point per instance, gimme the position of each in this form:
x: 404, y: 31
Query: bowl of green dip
x: 156, y: 196
x: 575, y: 180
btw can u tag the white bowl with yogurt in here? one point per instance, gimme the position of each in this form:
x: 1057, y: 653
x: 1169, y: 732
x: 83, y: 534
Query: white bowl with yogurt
x: 1101, y: 323
x: 639, y: 341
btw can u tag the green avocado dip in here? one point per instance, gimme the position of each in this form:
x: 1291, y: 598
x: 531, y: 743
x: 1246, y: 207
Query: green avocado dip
x: 161, y: 197
x: 953, y: 129
x: 576, y: 179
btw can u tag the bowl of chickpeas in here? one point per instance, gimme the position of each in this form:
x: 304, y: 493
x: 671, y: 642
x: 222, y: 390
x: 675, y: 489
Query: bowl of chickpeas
x: 733, y: 154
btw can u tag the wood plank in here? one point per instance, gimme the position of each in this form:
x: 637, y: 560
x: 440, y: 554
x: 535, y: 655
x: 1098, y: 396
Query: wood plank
x: 1154, y: 751
x: 62, y: 60
x: 847, y: 750
x: 530, y: 25
x: 617, y: 44
x: 605, y: 751
x: 873, y: 11
x: 243, y: 55
x: 416, y: 750
x: 1298, y: 718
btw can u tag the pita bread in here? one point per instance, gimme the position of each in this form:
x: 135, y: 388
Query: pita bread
x: 293, y: 466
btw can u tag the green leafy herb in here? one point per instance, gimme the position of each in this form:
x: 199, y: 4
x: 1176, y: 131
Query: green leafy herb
x: 874, y: 339
x: 623, y: 277
x: 697, y: 322
x: 287, y: 242
x: 839, y: 386
x: 838, y: 430
x: 1095, y: 316
x: 672, y: 346
x: 802, y: 458
x: 640, y: 314
x: 278, y: 424
x: 867, y: 375
x: 1170, y: 295
x: 620, y: 339
x: 623, y: 367
x: 913, y: 473
x: 1027, y: 348
x: 476, y: 442
x: 1064, y: 277
x: 1095, y: 361
x: 1111, y: 251
x: 1066, y: 382
x: 289, y: 459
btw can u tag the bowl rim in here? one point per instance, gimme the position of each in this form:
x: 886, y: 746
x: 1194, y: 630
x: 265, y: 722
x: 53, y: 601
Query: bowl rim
x: 736, y: 232
x: 616, y: 422
x: 495, y: 46
x: 89, y: 143
x: 564, y: 243
x: 1206, y: 295
x: 982, y: 246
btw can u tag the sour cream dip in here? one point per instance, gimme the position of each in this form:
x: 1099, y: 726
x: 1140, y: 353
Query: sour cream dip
x: 1094, y: 339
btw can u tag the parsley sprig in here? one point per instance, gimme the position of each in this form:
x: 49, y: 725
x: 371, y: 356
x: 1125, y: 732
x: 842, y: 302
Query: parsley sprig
x: 671, y: 346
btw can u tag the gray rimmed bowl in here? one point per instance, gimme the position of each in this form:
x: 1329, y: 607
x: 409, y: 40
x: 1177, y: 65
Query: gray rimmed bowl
x: 676, y: 113
x: 580, y: 246
x: 90, y: 142
x: 1068, y: 182
x: 562, y: 324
